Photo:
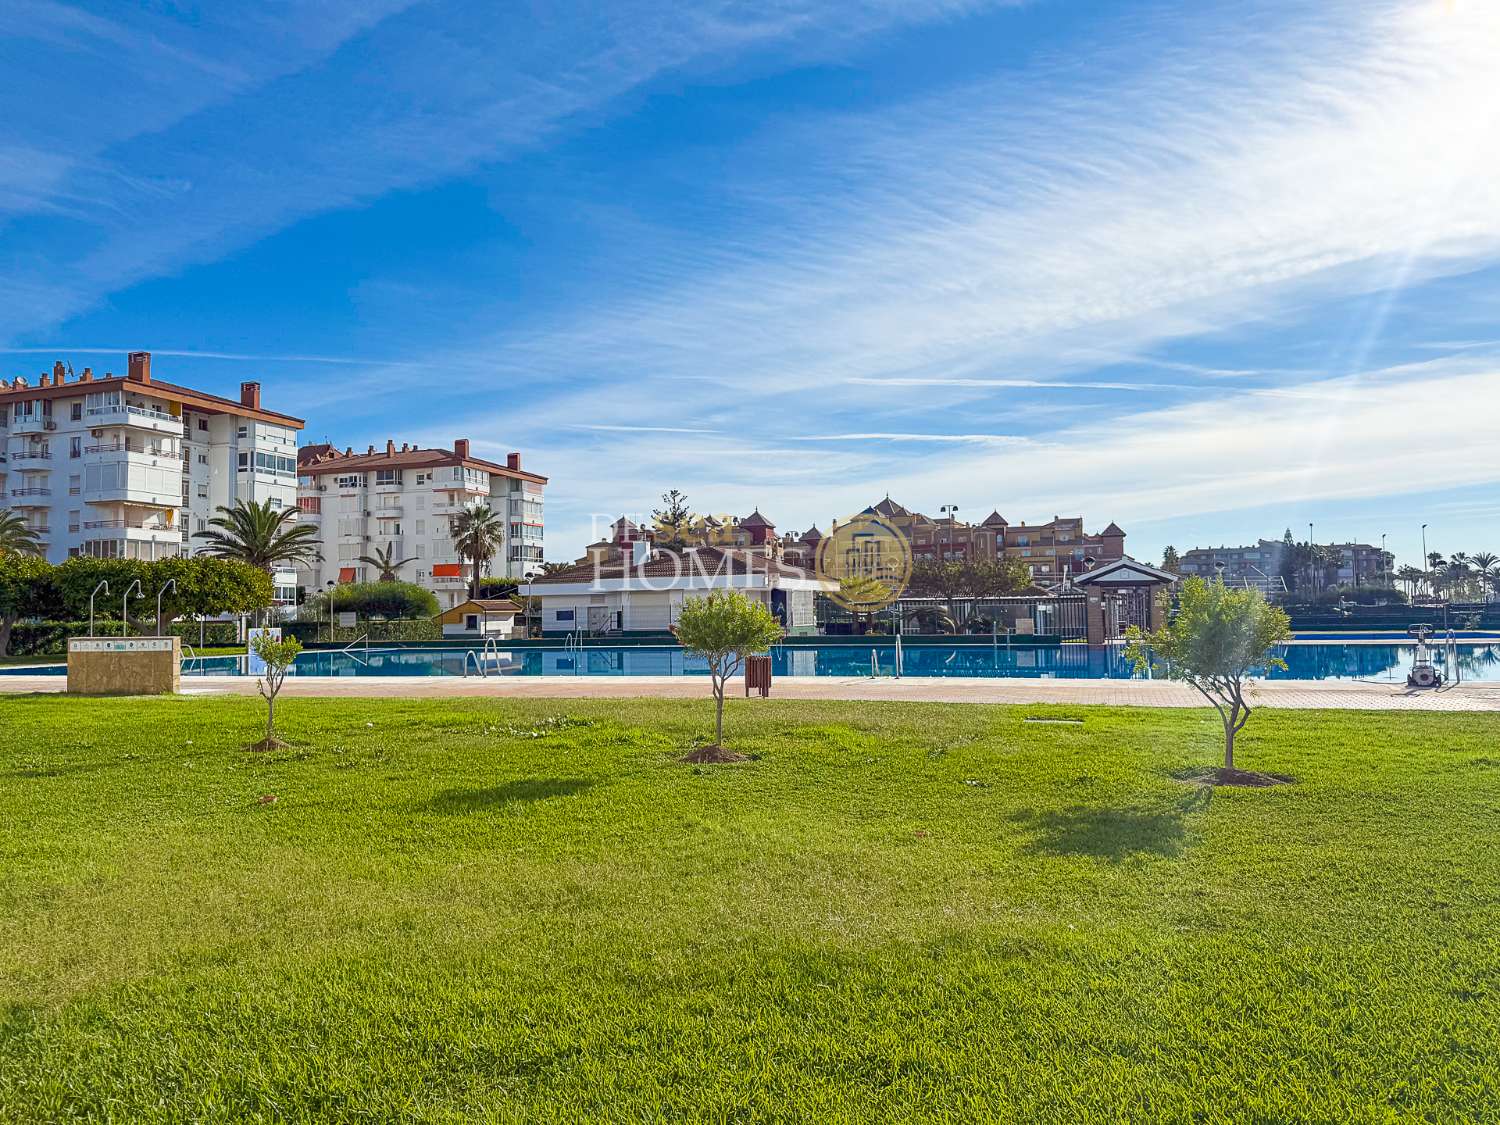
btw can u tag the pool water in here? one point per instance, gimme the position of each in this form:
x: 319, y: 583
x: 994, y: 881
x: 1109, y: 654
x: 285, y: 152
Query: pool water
x: 1386, y: 663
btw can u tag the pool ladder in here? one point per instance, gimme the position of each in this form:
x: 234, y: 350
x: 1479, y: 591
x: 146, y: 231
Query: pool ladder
x: 481, y: 662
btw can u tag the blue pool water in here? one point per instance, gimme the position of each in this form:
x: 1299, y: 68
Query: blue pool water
x: 1305, y: 662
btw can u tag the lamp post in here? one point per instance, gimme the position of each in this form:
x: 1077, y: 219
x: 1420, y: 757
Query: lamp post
x: 1425, y: 563
x: 1385, y: 571
x: 1219, y: 571
x: 951, y: 511
x: 331, y: 585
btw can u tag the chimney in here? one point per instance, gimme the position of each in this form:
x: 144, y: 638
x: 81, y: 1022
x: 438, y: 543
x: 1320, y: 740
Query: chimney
x: 461, y: 449
x: 405, y: 447
x: 45, y: 380
x: 59, y: 373
x: 390, y: 447
x: 513, y: 461
x: 87, y: 376
x: 250, y: 395
x: 140, y: 367
x: 370, y: 451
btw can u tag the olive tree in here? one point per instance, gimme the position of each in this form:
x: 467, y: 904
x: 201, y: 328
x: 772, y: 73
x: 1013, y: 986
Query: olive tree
x: 1216, y: 641
x: 724, y: 628
x: 278, y: 657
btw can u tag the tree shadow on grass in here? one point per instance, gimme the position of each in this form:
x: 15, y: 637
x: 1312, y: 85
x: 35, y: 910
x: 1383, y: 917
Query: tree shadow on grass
x: 1112, y: 834
x: 512, y: 792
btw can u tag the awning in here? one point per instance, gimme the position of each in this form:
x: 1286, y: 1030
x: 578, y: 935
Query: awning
x: 347, y: 573
x: 447, y: 570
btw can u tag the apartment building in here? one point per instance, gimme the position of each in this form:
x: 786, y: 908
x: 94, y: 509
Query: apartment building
x: 133, y: 467
x: 1265, y: 566
x: 403, y: 500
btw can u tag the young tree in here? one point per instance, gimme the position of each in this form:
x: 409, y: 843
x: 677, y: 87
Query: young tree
x: 724, y: 628
x: 26, y: 590
x: 278, y: 657
x: 1171, y: 561
x: 1218, y: 637
x: 672, y: 519
x: 477, y: 532
x: 16, y: 535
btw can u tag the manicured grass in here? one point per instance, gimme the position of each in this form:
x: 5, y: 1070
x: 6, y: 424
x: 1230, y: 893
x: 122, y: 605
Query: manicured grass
x: 529, y: 909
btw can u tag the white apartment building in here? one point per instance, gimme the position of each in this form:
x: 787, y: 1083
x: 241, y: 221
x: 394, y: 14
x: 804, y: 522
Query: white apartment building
x: 132, y: 467
x: 403, y: 500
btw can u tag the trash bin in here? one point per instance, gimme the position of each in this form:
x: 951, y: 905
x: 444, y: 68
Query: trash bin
x: 758, y: 675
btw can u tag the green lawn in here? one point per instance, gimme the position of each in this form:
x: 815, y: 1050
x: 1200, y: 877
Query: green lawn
x: 528, y: 909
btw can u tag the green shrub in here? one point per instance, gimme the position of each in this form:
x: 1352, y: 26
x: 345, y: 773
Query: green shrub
x: 391, y: 600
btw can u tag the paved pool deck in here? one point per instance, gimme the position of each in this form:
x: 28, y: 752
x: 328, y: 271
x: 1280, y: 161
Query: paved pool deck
x: 1355, y: 694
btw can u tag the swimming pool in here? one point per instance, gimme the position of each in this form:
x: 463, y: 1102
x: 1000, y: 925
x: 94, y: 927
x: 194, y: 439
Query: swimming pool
x: 1305, y: 662
x: 1387, y: 663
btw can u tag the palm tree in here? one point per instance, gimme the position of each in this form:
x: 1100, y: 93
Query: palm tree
x: 260, y: 535
x: 477, y: 531
x: 384, y: 562
x: 1485, y: 564
x: 17, y: 536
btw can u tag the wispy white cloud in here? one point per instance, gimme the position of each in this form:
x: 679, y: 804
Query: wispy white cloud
x: 459, y: 84
x: 960, y: 439
x: 646, y: 429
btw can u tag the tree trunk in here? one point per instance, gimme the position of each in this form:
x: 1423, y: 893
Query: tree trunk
x: 718, y: 712
x: 270, y: 717
x: 6, y: 624
x: 1230, y: 719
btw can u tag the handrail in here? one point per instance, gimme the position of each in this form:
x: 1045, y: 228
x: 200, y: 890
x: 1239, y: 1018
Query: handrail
x: 478, y: 664
x: 193, y: 657
x: 348, y: 649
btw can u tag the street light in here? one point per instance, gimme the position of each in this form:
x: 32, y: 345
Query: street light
x: 331, y: 585
x: 951, y: 511
x: 1219, y: 570
x: 1425, y: 563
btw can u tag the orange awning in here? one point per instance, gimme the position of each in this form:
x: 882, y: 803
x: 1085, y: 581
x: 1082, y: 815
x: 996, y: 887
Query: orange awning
x: 447, y: 570
x: 346, y: 573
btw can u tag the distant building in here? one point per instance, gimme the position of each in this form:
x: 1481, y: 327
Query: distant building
x: 1050, y: 550
x: 128, y: 466
x: 1263, y: 567
x: 403, y: 501
x: 641, y: 588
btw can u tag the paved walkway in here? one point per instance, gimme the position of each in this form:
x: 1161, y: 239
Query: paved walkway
x: 1132, y: 693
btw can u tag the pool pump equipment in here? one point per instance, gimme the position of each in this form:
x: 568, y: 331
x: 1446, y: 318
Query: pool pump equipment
x: 1424, y: 673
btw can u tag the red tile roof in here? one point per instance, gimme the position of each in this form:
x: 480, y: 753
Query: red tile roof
x: 321, y: 459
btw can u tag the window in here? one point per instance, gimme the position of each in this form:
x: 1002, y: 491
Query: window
x: 423, y: 478
x: 75, y: 447
x: 387, y: 476
x: 274, y: 501
x: 203, y: 425
x: 76, y: 413
x: 203, y: 492
x: 421, y: 527
x: 203, y: 458
x: 243, y: 431
x: 565, y: 615
x: 75, y: 484
x: 73, y: 518
x: 351, y: 480
x: 471, y: 621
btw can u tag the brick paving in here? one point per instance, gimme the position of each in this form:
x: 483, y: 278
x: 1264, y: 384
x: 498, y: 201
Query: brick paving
x: 1124, y: 693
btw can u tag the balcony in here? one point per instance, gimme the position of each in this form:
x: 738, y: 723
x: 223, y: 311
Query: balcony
x: 122, y: 494
x: 35, y: 424
x: 32, y: 455
x: 138, y: 417
x: 30, y: 497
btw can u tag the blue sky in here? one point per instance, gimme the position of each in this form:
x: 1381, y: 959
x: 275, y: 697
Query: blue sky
x: 1207, y: 270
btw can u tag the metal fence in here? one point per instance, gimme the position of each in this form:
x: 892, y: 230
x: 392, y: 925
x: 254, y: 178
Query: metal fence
x: 1060, y: 616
